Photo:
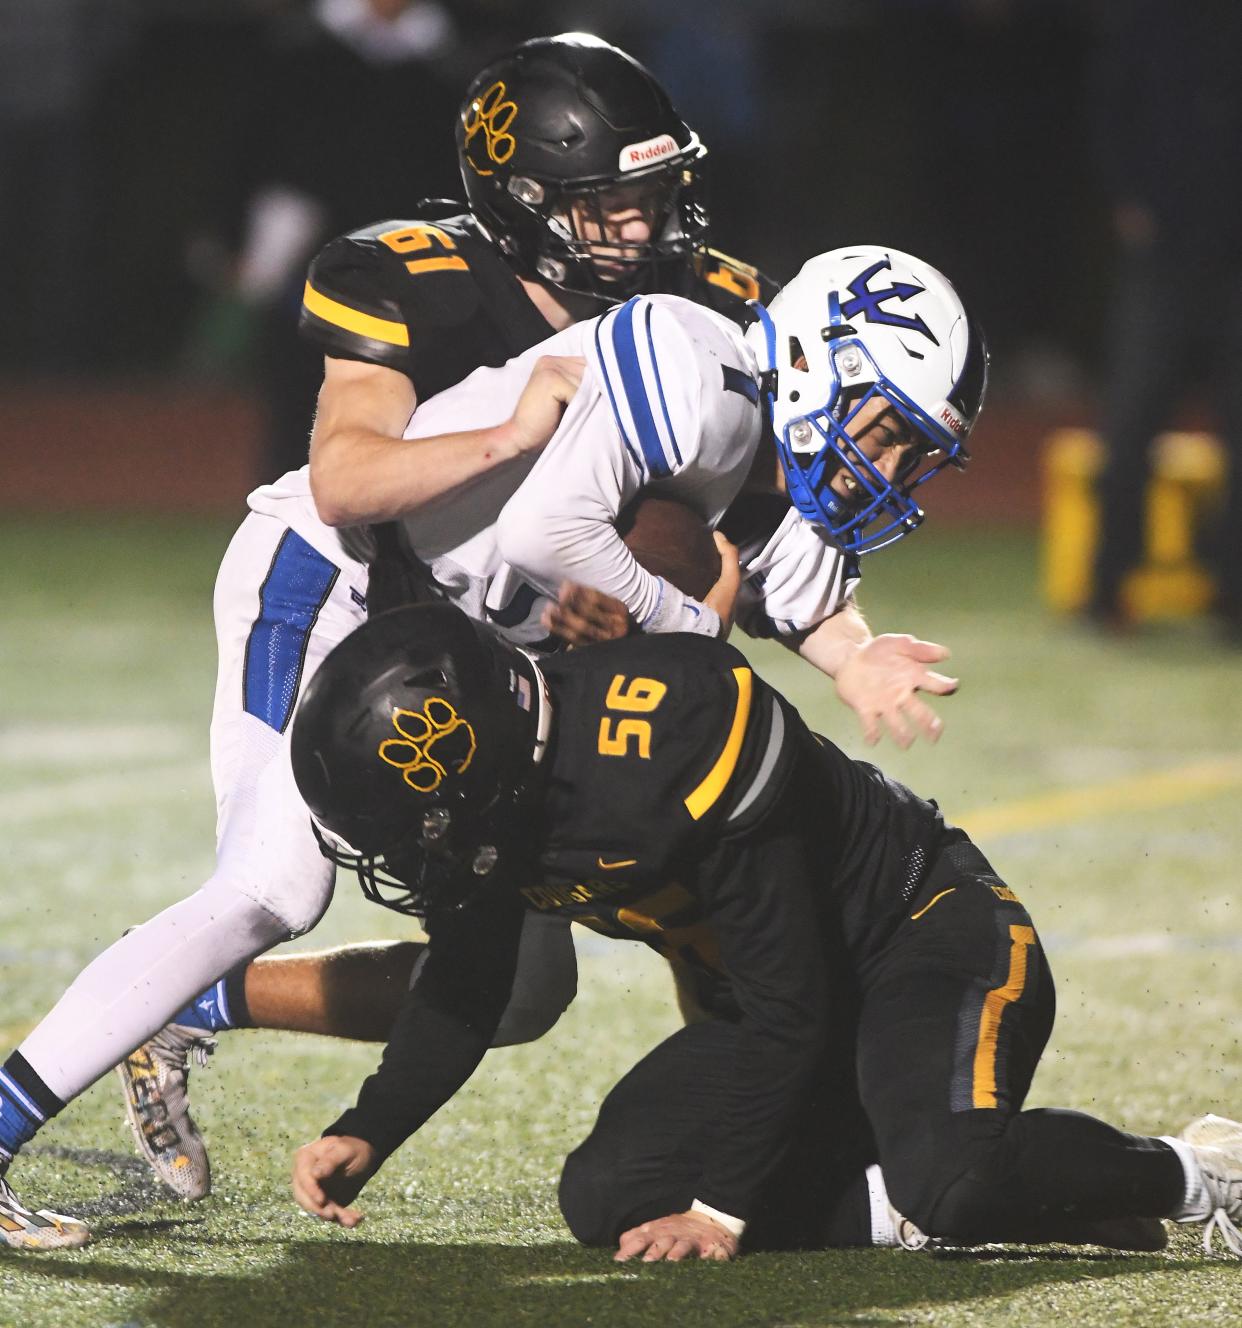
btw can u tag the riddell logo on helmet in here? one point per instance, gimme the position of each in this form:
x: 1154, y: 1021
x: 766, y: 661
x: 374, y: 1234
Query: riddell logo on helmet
x: 952, y: 419
x: 649, y: 150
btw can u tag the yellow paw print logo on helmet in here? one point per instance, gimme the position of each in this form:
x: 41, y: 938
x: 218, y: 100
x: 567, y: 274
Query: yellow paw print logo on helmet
x: 491, y: 115
x: 434, y: 743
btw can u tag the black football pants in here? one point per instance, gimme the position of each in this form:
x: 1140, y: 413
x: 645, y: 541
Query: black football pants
x: 934, y: 1056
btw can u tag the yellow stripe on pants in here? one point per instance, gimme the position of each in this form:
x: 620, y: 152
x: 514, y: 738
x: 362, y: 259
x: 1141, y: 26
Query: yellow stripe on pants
x: 994, y: 1004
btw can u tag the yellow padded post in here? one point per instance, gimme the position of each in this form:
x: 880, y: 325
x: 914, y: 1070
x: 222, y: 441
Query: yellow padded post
x: 1188, y: 476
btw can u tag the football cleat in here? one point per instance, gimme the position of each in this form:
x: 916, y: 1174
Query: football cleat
x: 909, y: 1237
x: 155, y: 1081
x: 24, y: 1230
x: 1217, y: 1145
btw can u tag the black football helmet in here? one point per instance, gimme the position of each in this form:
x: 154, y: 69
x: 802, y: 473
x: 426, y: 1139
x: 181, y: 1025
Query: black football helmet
x: 552, y: 137
x: 416, y: 747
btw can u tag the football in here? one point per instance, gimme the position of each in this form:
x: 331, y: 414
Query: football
x: 671, y: 540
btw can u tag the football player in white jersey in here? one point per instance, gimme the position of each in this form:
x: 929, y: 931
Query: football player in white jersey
x: 671, y: 398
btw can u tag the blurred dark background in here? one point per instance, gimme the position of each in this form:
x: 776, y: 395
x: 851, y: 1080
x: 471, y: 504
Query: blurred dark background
x: 167, y: 166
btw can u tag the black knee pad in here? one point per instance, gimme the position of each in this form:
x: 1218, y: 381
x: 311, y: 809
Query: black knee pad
x: 950, y: 1181
x: 583, y: 1195
x: 987, y: 1177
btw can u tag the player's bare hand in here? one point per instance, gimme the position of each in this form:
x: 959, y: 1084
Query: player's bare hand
x: 582, y: 615
x: 329, y: 1172
x: 551, y: 387
x: 722, y: 597
x: 679, y: 1236
x: 881, y: 682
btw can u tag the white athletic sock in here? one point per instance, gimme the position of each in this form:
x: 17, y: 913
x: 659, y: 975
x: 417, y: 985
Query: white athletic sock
x: 883, y: 1232
x: 1196, y: 1203
x: 140, y: 981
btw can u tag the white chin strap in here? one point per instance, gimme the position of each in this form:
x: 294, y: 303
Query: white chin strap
x: 336, y: 840
x: 543, y: 720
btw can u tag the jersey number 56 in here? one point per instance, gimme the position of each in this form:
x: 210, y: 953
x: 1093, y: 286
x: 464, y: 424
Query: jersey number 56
x: 634, y: 696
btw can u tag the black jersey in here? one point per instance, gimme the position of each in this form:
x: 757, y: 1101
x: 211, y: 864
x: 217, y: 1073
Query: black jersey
x: 431, y: 299
x: 686, y: 806
x: 677, y: 747
x: 435, y: 300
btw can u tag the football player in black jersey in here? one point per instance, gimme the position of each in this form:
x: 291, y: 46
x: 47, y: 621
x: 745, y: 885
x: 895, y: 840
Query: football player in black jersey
x: 582, y: 183
x: 656, y: 789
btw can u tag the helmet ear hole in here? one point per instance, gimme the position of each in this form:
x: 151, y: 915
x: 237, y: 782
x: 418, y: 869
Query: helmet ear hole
x: 797, y: 357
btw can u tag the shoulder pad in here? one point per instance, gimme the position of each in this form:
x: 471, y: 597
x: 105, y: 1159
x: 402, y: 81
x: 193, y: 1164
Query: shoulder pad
x: 445, y: 209
x: 365, y: 290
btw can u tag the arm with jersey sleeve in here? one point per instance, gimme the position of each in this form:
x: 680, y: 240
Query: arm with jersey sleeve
x: 800, y: 588
x: 638, y: 420
x: 447, y: 1021
x: 362, y: 470
x: 879, y: 677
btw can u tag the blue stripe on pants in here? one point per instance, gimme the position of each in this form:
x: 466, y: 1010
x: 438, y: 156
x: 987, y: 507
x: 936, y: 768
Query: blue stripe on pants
x: 298, y: 584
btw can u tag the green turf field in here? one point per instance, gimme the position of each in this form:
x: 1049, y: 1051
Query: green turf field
x: 1103, y: 778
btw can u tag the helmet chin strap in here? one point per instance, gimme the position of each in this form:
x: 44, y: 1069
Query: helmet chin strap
x: 543, y: 719
x: 330, y: 840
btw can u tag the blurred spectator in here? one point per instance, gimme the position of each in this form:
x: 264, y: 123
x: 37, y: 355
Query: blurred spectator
x: 1168, y: 144
x: 351, y: 122
x: 52, y: 53
x: 711, y: 55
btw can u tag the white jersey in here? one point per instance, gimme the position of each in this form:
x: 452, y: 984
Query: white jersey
x: 668, y: 403
x: 793, y: 577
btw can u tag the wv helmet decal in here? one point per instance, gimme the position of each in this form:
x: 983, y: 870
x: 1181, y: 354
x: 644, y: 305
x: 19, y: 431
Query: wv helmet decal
x: 434, y: 742
x: 869, y: 303
x: 490, y: 115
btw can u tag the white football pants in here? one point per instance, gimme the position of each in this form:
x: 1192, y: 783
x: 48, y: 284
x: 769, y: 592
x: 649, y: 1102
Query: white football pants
x: 280, y: 607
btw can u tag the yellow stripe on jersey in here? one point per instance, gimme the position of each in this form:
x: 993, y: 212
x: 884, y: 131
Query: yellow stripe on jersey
x: 994, y: 1003
x: 914, y: 917
x: 704, y: 797
x: 353, y: 320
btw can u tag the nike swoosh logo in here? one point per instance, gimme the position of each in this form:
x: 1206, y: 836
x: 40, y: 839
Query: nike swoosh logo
x: 612, y: 866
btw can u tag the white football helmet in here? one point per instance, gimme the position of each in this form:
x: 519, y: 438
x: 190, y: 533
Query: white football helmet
x: 853, y: 324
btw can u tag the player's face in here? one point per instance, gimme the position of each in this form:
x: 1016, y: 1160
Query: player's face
x: 885, y: 438
x: 616, y: 221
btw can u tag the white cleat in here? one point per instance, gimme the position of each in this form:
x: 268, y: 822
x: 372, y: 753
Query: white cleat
x: 155, y: 1080
x: 1217, y: 1145
x: 909, y: 1237
x: 24, y: 1230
